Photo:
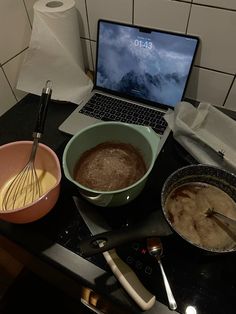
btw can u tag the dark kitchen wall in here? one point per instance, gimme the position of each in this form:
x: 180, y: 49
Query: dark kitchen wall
x: 214, y: 21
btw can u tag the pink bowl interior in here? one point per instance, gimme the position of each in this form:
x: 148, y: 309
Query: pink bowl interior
x: 13, y: 157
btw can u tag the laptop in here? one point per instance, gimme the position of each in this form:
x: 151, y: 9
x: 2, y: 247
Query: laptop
x: 140, y: 74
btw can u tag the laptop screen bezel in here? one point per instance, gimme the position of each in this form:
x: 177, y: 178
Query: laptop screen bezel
x: 143, y: 29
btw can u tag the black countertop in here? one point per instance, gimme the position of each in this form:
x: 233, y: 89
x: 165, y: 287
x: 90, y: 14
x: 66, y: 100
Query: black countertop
x: 205, y: 282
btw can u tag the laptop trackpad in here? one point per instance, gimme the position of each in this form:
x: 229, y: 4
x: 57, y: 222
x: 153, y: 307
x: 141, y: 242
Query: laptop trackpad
x: 77, y: 122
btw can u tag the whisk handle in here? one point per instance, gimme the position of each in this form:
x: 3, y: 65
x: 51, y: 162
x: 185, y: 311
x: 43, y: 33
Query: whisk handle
x: 43, y: 102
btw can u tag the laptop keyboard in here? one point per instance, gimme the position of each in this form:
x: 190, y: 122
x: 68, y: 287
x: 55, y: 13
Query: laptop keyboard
x: 111, y: 109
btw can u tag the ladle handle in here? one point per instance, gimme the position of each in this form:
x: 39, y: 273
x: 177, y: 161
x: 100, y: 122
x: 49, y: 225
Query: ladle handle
x: 171, y: 299
x: 227, y: 220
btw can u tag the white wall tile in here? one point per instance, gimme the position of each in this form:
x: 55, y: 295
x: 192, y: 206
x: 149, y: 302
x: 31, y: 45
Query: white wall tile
x: 164, y: 14
x: 29, y: 7
x: 214, y: 21
x: 83, y: 22
x: 94, y: 48
x: 231, y: 100
x: 209, y: 86
x: 216, y: 29
x: 11, y: 69
x: 14, y: 29
x: 228, y: 4
x: 87, y: 54
x: 7, y: 99
x: 108, y: 9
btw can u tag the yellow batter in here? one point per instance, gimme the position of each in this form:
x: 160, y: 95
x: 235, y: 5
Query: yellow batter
x: 46, y: 181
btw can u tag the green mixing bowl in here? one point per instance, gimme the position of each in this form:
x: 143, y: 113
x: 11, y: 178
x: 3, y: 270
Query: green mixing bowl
x: 144, y: 139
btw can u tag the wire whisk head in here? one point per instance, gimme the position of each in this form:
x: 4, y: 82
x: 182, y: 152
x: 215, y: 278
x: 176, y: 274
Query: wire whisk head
x: 23, y: 189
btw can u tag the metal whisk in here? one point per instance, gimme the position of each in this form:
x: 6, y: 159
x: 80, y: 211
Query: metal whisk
x: 25, y: 186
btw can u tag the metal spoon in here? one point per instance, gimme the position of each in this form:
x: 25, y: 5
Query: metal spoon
x: 224, y: 219
x: 155, y: 249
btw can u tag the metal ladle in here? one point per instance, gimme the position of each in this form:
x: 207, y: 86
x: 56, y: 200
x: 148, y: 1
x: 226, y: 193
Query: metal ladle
x: 224, y: 219
x: 155, y: 249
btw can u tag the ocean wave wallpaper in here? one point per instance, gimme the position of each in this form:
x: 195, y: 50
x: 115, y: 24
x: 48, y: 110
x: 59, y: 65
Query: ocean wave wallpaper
x: 152, y: 66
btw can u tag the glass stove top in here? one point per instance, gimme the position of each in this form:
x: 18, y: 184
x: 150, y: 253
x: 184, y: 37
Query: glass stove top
x: 205, y: 281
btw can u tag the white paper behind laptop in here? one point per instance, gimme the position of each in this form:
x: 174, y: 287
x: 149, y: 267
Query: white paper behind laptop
x: 141, y: 65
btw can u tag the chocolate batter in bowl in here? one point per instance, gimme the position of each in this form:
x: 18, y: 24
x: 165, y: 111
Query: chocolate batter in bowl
x: 110, y: 161
x: 110, y: 166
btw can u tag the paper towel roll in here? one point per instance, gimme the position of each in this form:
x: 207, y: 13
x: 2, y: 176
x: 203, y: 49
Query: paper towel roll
x: 55, y: 53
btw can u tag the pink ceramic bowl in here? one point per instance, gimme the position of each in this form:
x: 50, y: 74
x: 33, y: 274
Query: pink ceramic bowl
x: 13, y: 156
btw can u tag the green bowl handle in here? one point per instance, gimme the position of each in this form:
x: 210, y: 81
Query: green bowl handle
x: 102, y: 200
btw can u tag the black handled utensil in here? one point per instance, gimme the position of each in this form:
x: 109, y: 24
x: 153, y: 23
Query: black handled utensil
x: 154, y: 225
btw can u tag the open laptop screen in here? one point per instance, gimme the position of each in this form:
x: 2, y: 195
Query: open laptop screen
x: 144, y: 64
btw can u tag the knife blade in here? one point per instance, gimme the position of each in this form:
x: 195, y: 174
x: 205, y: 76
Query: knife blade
x: 125, y: 275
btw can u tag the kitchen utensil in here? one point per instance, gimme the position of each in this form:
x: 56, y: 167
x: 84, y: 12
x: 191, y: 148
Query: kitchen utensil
x: 144, y: 139
x: 231, y: 223
x: 155, y: 224
x: 121, y: 270
x: 25, y: 186
x: 15, y: 155
x: 155, y: 249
